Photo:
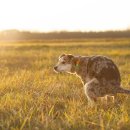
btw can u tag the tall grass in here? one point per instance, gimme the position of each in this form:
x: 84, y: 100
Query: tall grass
x: 33, y: 97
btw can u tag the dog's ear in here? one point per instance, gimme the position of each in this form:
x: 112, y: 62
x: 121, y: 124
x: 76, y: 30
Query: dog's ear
x: 61, y: 56
x: 70, y: 56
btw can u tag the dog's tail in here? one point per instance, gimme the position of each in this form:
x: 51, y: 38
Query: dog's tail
x: 122, y: 90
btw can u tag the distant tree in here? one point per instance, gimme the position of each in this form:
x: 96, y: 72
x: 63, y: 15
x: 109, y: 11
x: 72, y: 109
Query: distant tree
x: 15, y: 35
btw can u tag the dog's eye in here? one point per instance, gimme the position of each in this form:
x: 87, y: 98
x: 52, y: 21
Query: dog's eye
x: 63, y: 62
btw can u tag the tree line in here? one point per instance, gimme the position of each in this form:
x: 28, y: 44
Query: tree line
x: 16, y: 35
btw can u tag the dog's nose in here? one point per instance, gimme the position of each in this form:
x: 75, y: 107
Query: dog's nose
x: 55, y: 68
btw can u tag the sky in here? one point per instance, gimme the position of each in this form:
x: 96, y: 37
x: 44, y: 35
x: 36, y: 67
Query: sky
x: 65, y: 15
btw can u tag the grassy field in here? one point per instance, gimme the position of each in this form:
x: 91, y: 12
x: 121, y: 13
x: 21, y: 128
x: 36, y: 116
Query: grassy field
x: 34, y: 97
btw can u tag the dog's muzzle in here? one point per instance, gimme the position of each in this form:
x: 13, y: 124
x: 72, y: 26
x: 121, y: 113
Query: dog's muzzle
x: 55, y: 69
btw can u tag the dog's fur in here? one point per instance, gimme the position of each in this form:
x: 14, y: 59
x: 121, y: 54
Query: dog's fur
x: 99, y: 75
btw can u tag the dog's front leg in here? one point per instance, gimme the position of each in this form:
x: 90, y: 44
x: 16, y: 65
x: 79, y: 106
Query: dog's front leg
x: 90, y: 91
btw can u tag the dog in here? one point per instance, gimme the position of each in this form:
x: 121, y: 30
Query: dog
x: 99, y: 75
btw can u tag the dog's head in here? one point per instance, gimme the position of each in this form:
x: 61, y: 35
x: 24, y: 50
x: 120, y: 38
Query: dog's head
x: 65, y: 63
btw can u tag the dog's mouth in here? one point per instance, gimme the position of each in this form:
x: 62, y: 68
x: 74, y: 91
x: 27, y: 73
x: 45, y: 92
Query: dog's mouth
x: 57, y: 71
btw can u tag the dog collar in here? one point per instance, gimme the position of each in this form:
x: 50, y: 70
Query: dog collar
x: 77, y: 63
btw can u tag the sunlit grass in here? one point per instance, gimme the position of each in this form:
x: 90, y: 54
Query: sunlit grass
x: 33, y: 97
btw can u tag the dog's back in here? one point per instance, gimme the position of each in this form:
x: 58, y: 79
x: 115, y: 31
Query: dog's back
x: 103, y: 69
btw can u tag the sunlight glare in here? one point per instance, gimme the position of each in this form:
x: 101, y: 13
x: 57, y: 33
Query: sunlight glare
x: 71, y: 15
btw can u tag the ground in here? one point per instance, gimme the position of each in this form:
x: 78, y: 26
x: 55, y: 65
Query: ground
x: 34, y: 97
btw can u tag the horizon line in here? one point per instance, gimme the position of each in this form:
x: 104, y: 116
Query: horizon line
x: 58, y: 31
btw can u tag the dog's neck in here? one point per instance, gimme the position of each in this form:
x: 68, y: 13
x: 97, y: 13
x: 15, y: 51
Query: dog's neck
x: 76, y: 64
x: 80, y: 68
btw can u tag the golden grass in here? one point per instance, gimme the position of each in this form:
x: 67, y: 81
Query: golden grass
x: 33, y: 97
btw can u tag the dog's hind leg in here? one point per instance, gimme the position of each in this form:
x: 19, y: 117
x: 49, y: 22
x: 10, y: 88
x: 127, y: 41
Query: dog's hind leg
x: 104, y: 100
x: 111, y: 98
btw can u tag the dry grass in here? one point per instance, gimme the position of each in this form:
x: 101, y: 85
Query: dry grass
x: 33, y: 97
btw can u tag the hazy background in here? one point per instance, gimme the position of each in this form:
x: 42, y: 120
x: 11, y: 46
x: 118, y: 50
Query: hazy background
x: 68, y: 15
